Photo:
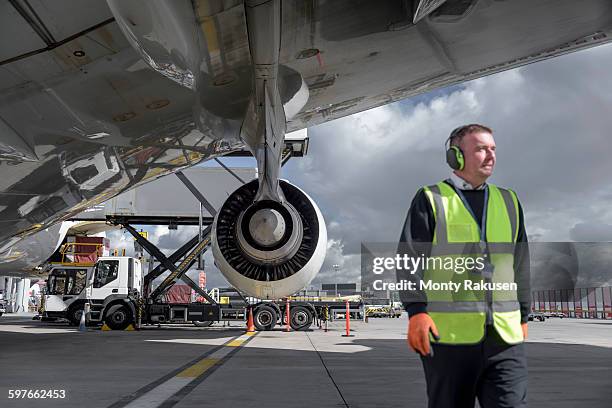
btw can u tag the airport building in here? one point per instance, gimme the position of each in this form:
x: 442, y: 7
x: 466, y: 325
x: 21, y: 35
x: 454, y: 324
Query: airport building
x: 594, y: 303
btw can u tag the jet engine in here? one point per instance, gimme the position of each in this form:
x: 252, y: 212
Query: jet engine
x: 269, y: 249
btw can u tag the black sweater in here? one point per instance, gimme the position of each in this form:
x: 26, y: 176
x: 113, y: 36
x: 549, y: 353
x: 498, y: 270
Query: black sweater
x: 420, y: 226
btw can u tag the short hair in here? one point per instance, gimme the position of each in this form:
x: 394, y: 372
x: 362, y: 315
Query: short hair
x: 459, y: 133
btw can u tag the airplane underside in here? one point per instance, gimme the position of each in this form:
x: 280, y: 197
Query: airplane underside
x: 145, y: 88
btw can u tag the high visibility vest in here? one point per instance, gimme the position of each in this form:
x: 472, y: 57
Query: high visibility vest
x: 461, y: 316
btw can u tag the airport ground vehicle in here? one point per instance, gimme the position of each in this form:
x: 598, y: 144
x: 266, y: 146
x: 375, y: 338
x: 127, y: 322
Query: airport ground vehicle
x: 536, y: 316
x: 70, y: 272
x: 397, y: 309
x: 382, y: 307
x: 113, y: 287
x: 64, y: 294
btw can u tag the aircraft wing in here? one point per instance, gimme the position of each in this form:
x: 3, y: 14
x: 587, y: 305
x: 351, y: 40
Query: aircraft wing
x: 366, y: 54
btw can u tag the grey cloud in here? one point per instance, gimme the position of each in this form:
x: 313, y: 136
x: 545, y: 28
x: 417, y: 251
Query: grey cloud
x: 591, y: 231
x: 552, y: 128
x: 173, y: 239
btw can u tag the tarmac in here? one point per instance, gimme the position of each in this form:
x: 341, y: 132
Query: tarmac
x: 570, y: 365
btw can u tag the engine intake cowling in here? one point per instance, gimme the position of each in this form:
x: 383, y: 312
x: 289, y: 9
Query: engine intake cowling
x: 268, y: 249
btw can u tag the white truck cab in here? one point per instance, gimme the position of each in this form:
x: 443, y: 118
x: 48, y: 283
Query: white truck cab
x: 115, y: 288
x: 110, y: 281
x: 65, y: 286
x: 115, y: 275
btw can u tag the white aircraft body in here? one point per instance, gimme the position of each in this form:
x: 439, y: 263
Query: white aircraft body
x: 99, y: 97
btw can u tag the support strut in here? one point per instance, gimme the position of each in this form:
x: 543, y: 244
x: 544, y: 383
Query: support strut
x: 194, y: 190
x: 176, y: 272
x: 264, y: 125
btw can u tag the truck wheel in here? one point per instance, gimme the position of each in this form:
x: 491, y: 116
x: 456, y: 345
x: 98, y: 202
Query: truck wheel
x: 118, y: 317
x: 74, y: 315
x: 203, y: 324
x: 265, y: 318
x: 301, y: 319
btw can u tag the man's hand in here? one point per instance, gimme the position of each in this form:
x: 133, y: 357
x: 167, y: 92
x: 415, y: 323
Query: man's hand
x: 419, y: 326
x: 525, y: 330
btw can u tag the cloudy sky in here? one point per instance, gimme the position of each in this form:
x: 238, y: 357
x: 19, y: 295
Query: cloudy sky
x: 552, y: 123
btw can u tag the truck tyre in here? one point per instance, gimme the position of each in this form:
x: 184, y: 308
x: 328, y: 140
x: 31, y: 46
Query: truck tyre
x: 301, y: 318
x: 118, y: 317
x: 203, y: 324
x: 74, y: 314
x: 265, y: 318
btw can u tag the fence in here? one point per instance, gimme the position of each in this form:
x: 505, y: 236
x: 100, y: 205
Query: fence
x: 590, y: 303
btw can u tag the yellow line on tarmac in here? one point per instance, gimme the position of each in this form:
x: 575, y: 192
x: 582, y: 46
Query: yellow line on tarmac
x: 238, y: 342
x: 174, y: 385
x: 198, y: 368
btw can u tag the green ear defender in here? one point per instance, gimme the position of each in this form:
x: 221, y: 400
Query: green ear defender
x: 454, y: 155
x: 454, y: 158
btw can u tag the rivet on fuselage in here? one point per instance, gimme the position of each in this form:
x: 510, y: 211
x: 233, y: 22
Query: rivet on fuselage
x: 225, y: 78
x: 307, y: 53
x: 122, y: 117
x: 158, y: 104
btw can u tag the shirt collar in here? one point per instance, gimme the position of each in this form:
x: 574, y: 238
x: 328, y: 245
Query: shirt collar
x: 461, y: 184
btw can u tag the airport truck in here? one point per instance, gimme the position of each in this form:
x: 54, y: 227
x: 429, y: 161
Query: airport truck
x: 70, y: 271
x: 64, y: 294
x: 382, y: 307
x: 113, y: 289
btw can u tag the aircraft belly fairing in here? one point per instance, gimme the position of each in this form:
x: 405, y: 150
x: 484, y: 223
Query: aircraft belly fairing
x: 127, y: 93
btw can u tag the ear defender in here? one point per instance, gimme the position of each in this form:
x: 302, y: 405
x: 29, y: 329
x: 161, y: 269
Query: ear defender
x: 454, y: 155
x: 454, y: 158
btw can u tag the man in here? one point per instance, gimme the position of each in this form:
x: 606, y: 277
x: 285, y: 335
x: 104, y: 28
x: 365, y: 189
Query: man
x: 476, y: 345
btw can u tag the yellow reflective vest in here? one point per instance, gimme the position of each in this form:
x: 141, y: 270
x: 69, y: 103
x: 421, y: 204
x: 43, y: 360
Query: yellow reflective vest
x: 461, y: 315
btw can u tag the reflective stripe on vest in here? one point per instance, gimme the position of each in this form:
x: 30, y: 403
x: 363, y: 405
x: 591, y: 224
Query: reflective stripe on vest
x: 460, y: 316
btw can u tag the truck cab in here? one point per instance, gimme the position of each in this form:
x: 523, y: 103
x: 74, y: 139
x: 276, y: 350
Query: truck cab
x: 65, y: 287
x: 70, y: 272
x: 114, y: 291
x: 112, y: 280
x: 116, y: 275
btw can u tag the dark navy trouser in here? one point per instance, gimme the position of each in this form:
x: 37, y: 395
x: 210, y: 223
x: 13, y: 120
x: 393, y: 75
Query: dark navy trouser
x: 492, y: 371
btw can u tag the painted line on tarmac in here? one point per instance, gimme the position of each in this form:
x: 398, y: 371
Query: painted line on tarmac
x: 173, y: 387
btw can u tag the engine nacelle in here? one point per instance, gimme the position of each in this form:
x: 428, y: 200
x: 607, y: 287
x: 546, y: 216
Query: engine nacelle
x: 266, y: 249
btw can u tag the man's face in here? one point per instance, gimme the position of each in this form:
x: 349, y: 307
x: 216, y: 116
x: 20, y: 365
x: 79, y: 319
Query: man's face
x: 479, y: 153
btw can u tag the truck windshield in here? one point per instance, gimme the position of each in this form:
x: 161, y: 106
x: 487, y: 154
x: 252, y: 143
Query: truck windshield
x: 56, y: 284
x: 66, y: 281
x: 106, y: 272
x: 78, y: 279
